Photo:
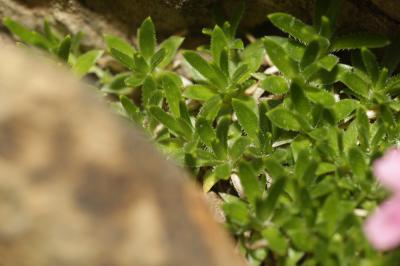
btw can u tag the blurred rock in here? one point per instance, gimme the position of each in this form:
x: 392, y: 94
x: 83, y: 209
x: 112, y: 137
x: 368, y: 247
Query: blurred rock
x: 122, y: 17
x: 81, y: 187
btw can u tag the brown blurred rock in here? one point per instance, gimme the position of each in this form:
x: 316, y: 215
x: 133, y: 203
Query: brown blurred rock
x: 80, y: 187
x: 122, y: 17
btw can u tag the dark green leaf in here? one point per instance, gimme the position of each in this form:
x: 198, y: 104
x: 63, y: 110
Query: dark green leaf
x: 239, y: 147
x: 211, y: 108
x: 370, y: 64
x: 358, y: 41
x: 124, y: 59
x: 205, y: 131
x: 352, y: 80
x: 167, y: 120
x: 266, y: 207
x: 294, y: 27
x: 64, y: 48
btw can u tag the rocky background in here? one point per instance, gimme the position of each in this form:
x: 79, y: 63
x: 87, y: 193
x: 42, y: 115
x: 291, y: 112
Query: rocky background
x: 122, y: 17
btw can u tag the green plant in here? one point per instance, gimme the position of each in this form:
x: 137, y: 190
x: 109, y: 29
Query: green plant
x: 66, y: 49
x: 289, y: 153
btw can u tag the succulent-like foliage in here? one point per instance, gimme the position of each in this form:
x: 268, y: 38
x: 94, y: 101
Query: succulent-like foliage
x: 289, y: 152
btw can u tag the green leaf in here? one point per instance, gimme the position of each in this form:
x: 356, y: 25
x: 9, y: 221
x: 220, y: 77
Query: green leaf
x: 211, y: 108
x: 223, y: 171
x: 344, y: 108
x: 237, y: 212
x: 294, y: 27
x: 320, y: 96
x: 370, y: 64
x: 123, y: 58
x: 275, y: 85
x: 248, y: 179
x: 222, y: 131
x: 64, y: 48
x: 149, y: 86
x: 241, y: 74
x: 198, y: 92
x: 116, y: 43
x: 157, y: 58
x: 218, y: 43
x: 328, y: 62
x: 170, y: 122
x: 86, y: 61
x: 135, y: 80
x: 280, y: 58
x: 205, y: 69
x: 131, y: 109
x: 358, y: 41
x: 205, y: 131
x: 238, y: 148
x: 293, y: 49
x: 300, y: 102
x: 265, y: 207
x: 357, y: 162
x: 311, y: 54
x: 172, y: 90
x: 117, y: 83
x: 26, y: 35
x: 248, y: 119
x: 284, y: 118
x: 147, y: 38
x: 363, y: 127
x: 171, y: 46
x: 276, y: 241
x: 352, y: 80
x: 253, y: 55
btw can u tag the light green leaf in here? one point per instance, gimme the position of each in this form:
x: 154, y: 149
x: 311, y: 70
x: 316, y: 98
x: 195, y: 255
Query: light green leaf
x: 157, y: 58
x: 132, y: 111
x: 250, y: 183
x: 211, y: 108
x: 204, y: 68
x: 276, y: 240
x: 198, y: 92
x: 240, y: 74
x: 116, y: 43
x: 248, y: 119
x: 239, y: 147
x: 253, y: 55
x: 172, y: 92
x: 26, y: 35
x: 275, y: 84
x: 352, y: 80
x: 218, y: 43
x: 344, y: 108
x: 123, y: 58
x: 357, y: 162
x: 280, y: 58
x: 205, y: 131
x: 171, y: 46
x: 135, y: 80
x: 86, y: 61
x: 147, y: 38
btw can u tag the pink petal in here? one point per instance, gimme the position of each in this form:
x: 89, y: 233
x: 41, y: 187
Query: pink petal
x: 387, y: 170
x: 382, y: 228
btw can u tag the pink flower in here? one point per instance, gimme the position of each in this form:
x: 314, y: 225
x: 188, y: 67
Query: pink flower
x: 387, y: 170
x: 383, y: 226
